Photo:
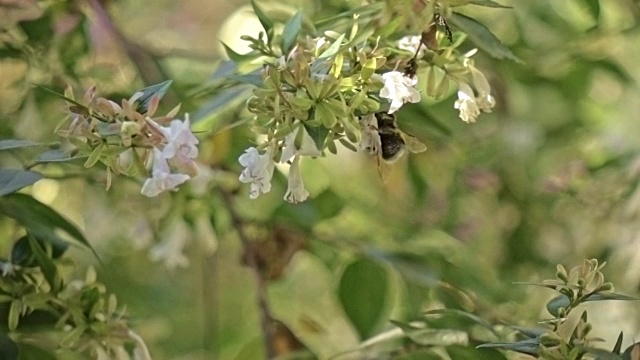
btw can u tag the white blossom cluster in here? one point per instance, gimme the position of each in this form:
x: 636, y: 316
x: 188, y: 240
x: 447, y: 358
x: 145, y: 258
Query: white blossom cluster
x: 176, y: 151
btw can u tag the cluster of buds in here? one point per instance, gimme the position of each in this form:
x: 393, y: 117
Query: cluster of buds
x: 318, y: 94
x: 128, y: 140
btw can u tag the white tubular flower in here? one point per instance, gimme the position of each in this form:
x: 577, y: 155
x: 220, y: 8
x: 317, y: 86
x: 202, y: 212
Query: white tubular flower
x: 485, y: 101
x: 295, y: 192
x: 399, y: 89
x: 370, y: 142
x: 307, y: 148
x: 170, y: 250
x: 162, y: 179
x: 258, y: 170
x: 411, y: 44
x: 466, y: 103
x: 181, y: 145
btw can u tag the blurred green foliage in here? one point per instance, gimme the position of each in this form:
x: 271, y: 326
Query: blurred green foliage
x: 551, y: 176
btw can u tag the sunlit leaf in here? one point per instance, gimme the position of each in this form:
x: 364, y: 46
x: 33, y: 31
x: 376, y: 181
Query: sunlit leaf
x: 291, y: 31
x: 12, y: 180
x: 363, y: 292
x: 482, y: 37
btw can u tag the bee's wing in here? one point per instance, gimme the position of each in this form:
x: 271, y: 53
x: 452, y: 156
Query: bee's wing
x: 413, y: 144
x: 384, y: 169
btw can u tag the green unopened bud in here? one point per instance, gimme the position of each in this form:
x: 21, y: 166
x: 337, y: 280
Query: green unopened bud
x: 550, y: 339
x: 605, y: 287
x: 561, y: 273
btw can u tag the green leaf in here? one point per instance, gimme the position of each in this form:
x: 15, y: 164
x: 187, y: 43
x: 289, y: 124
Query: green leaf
x: 84, y: 108
x: 21, y: 253
x: 464, y: 314
x: 233, y: 55
x: 47, y: 266
x: 364, y: 287
x: 617, y: 348
x: 307, y: 214
x: 468, y: 353
x: 333, y: 49
x: 325, y: 116
x: 148, y: 93
x: 39, y: 219
x: 252, y: 78
x: 594, y: 8
x: 412, y: 267
x: 482, y: 37
x: 488, y: 3
x: 610, y: 296
x: 267, y: 24
x: 291, y: 31
x: 432, y: 337
x: 12, y: 180
x: 560, y: 301
x: 318, y: 134
x: 8, y: 348
x: 11, y: 144
x: 32, y: 352
x: 55, y: 155
x: 420, y: 355
x: 528, y: 346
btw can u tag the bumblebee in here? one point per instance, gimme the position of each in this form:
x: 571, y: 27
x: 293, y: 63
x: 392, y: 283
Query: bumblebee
x: 388, y: 142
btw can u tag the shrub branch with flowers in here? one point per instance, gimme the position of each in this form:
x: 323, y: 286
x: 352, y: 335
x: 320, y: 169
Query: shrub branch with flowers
x: 310, y: 89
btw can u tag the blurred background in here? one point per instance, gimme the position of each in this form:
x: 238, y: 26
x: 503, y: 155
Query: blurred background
x: 551, y: 176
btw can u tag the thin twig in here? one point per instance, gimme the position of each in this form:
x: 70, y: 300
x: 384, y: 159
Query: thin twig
x: 261, y: 284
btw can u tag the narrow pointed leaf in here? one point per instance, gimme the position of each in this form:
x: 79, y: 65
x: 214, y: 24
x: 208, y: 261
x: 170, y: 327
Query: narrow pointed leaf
x: 158, y: 90
x: 39, y: 218
x: 12, y: 180
x: 232, y: 54
x: 11, y: 144
x: 267, y: 24
x: 82, y: 107
x: 610, y: 296
x: 617, y: 348
x: 291, y: 31
x: 529, y: 346
x: 482, y: 37
x: 46, y: 264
